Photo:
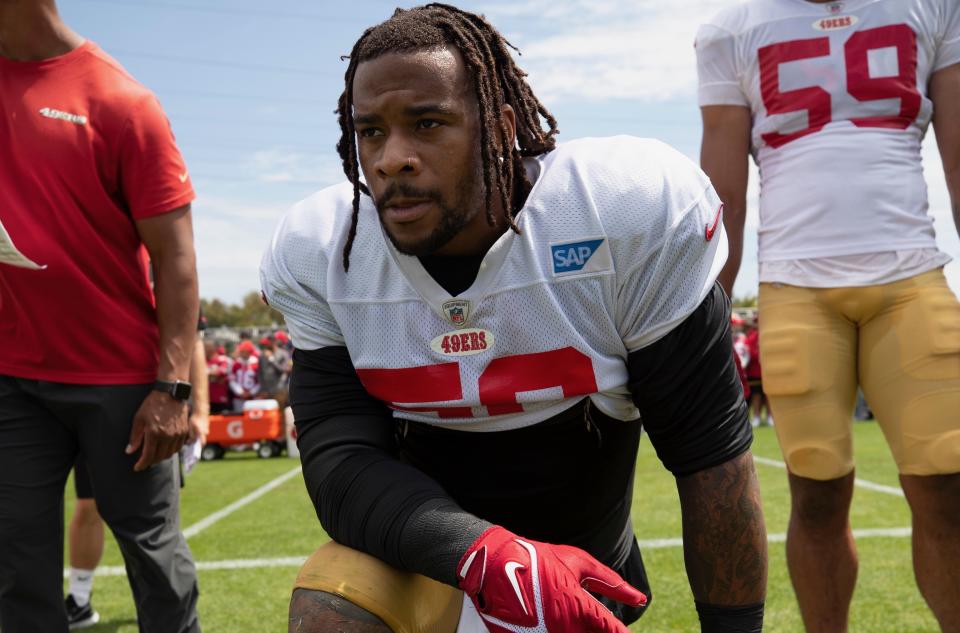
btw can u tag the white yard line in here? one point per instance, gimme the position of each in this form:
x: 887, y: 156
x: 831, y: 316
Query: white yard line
x: 206, y: 522
x: 246, y: 563
x: 661, y: 543
x: 863, y: 483
x: 296, y: 561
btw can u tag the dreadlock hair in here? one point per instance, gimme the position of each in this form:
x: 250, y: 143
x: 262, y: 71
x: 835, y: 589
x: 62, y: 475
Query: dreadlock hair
x: 497, y: 80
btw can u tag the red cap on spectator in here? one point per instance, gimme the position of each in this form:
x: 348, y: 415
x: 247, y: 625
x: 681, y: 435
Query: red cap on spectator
x: 266, y: 341
x: 736, y: 319
x: 281, y: 336
x: 246, y: 346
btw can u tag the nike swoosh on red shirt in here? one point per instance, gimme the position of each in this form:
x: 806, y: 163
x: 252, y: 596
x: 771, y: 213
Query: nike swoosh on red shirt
x: 712, y: 228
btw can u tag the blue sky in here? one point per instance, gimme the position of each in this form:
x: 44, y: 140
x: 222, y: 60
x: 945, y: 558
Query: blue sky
x: 250, y: 90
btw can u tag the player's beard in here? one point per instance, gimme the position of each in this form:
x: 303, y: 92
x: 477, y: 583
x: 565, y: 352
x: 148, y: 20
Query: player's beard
x: 454, y: 216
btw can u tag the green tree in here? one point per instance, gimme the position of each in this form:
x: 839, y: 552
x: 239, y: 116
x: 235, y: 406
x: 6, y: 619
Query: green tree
x: 251, y: 311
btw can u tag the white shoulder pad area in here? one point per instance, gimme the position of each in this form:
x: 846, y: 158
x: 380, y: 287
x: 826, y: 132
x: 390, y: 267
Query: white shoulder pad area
x: 640, y: 187
x: 656, y: 207
x: 295, y: 267
x: 948, y: 50
x: 720, y: 62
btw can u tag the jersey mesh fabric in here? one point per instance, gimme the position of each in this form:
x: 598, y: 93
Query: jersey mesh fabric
x: 85, y: 151
x: 555, y: 332
x: 847, y: 188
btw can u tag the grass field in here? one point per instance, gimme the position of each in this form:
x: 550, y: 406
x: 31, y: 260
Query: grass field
x: 250, y: 555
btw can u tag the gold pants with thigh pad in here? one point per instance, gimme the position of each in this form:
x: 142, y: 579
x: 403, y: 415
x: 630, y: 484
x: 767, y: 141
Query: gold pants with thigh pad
x: 900, y: 341
x: 406, y: 602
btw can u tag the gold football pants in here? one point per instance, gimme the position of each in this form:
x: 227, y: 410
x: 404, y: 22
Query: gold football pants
x: 406, y: 602
x: 899, y: 341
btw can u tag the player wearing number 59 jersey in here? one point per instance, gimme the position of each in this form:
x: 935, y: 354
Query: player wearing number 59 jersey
x: 833, y: 100
x: 481, y: 325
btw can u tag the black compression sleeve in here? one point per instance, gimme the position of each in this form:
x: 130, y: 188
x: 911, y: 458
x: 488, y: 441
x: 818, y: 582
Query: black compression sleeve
x: 688, y: 392
x: 364, y: 496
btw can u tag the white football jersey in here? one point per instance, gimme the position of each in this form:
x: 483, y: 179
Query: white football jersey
x: 613, y: 253
x: 838, y: 93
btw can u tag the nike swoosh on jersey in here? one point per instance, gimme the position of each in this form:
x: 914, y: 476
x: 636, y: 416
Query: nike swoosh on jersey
x: 712, y: 228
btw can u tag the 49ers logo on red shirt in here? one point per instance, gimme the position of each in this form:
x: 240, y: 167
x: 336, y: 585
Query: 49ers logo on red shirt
x: 463, y: 342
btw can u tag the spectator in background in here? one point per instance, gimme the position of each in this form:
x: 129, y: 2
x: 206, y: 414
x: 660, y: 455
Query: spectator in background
x: 758, y: 400
x: 245, y: 374
x: 90, y: 176
x: 218, y: 377
x: 275, y: 365
x: 246, y: 336
x: 740, y: 345
x: 283, y: 341
x: 741, y: 352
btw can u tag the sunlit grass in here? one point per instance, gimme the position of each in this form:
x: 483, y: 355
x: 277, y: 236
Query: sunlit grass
x: 283, y: 524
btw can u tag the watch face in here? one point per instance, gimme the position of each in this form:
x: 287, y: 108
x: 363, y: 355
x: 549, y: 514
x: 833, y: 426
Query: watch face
x: 181, y: 390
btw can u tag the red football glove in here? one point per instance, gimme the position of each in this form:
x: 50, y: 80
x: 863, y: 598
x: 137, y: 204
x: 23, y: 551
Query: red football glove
x: 522, y: 585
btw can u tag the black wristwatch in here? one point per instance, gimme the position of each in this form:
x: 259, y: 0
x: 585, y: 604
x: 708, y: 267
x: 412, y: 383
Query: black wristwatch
x: 178, y: 390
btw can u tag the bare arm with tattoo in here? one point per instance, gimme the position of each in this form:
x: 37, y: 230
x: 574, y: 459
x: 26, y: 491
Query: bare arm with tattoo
x: 724, y: 537
x: 691, y: 402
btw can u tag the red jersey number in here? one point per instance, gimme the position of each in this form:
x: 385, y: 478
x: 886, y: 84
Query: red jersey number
x: 816, y: 101
x: 499, y: 384
x: 861, y: 86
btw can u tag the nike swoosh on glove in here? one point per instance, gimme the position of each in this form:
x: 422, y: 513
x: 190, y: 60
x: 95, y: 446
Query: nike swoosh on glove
x: 519, y: 585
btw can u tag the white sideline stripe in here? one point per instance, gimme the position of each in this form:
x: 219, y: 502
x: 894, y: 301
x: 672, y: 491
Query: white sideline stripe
x: 662, y: 543
x: 297, y: 561
x: 204, y: 523
x: 248, y: 563
x: 863, y: 483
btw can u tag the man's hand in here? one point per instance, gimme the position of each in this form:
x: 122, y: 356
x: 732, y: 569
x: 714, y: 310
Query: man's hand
x: 199, y: 427
x: 160, y: 427
x: 518, y: 582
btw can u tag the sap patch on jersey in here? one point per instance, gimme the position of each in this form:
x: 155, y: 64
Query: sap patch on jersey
x: 582, y: 256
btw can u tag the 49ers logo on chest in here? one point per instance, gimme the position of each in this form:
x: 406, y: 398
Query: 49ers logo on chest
x: 463, y: 342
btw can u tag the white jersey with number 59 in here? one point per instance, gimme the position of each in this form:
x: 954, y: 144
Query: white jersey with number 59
x: 838, y: 94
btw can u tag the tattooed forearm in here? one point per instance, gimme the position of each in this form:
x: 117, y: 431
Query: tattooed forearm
x: 724, y: 537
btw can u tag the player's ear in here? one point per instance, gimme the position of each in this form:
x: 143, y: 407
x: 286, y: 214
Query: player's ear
x: 509, y: 119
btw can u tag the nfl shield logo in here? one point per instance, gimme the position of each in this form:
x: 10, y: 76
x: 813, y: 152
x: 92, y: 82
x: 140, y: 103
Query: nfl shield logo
x: 835, y: 7
x: 457, y: 312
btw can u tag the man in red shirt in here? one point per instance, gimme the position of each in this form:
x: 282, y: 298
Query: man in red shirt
x: 758, y: 399
x: 245, y: 374
x: 218, y: 375
x: 91, y: 175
